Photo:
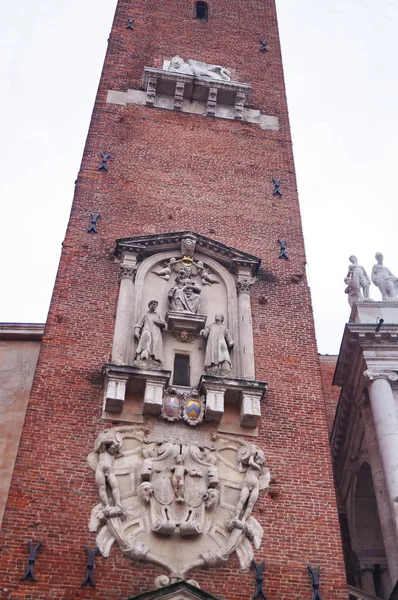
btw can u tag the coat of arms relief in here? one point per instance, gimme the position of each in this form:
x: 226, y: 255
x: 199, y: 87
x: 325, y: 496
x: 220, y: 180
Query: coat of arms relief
x: 180, y: 506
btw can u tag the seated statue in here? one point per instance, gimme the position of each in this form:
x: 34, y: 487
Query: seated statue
x: 184, y: 296
x: 199, y: 69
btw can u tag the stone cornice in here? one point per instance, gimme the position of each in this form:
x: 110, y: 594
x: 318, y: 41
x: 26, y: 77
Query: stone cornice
x: 21, y: 331
x: 147, y: 245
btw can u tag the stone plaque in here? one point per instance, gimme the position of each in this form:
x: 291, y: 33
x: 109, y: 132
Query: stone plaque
x: 177, y: 433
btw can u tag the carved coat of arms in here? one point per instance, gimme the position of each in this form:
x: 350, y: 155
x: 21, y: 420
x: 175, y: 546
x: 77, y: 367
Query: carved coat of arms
x: 200, y: 498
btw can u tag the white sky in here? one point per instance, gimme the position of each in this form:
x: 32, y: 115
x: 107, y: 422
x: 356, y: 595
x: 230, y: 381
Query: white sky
x: 340, y: 60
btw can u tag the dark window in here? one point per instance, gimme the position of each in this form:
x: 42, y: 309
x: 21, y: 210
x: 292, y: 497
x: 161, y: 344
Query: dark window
x: 201, y: 10
x: 181, y: 370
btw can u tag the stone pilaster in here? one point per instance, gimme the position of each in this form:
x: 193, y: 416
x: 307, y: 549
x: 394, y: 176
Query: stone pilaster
x: 124, y: 315
x: 243, y: 286
x: 367, y: 579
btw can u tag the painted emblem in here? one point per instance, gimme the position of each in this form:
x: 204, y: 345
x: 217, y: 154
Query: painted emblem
x: 182, y: 405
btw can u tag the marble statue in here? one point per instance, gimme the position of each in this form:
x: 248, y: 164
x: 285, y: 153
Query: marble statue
x: 148, y: 332
x: 353, y: 288
x: 219, y: 342
x: 184, y: 296
x: 358, y: 277
x: 384, y: 279
x: 199, y: 69
x: 172, y: 493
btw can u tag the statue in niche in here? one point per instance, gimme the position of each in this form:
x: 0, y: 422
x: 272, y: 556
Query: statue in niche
x: 184, y: 296
x: 219, y: 342
x: 199, y: 69
x: 384, y: 279
x: 148, y: 332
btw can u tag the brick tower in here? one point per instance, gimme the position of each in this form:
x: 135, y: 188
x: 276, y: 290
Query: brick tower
x: 179, y: 353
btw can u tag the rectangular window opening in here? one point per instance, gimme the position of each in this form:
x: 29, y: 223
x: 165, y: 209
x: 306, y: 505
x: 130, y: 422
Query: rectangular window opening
x: 181, y: 372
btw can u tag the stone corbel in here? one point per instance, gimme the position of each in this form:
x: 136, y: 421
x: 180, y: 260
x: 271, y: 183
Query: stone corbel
x: 153, y: 397
x: 211, y: 102
x: 151, y: 90
x: 239, y: 105
x: 115, y: 391
x: 250, y: 395
x: 250, y: 411
x: 178, y: 95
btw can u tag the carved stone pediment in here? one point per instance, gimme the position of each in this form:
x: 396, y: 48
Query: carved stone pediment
x: 180, y: 506
x: 179, y: 590
x: 147, y: 245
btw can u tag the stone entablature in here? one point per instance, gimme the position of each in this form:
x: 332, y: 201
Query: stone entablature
x: 194, y: 95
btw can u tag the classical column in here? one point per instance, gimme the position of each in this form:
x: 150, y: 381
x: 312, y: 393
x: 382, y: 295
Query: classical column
x: 385, y: 581
x: 367, y: 580
x: 385, y: 419
x: 243, y: 287
x: 124, y: 316
x: 383, y: 503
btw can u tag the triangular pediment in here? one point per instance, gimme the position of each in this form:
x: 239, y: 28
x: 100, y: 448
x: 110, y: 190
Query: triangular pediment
x: 146, y: 245
x: 180, y: 590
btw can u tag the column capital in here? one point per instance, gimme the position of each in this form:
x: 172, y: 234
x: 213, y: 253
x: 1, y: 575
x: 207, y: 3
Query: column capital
x: 371, y: 375
x: 127, y: 272
x: 244, y: 286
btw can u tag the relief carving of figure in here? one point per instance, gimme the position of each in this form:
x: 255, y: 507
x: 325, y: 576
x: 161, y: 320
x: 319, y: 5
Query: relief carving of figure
x: 148, y: 332
x: 251, y: 487
x: 106, y: 448
x: 200, y: 69
x: 205, y: 275
x: 167, y: 270
x: 219, y: 342
x: 184, y: 296
x: 151, y: 490
x: 384, y: 279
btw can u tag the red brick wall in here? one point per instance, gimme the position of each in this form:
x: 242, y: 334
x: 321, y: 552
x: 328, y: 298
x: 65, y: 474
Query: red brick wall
x: 331, y: 392
x: 168, y: 172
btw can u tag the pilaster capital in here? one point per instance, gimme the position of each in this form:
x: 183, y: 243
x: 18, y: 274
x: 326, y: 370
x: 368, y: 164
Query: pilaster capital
x: 244, y: 286
x: 127, y: 272
x: 366, y: 567
x: 372, y: 375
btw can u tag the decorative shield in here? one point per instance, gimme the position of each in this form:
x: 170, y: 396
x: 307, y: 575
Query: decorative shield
x: 171, y: 409
x: 193, y: 408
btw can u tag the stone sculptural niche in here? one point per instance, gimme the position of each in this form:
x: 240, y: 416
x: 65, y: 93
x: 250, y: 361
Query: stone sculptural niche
x: 219, y: 343
x: 199, y: 69
x: 148, y: 332
x: 384, y: 279
x: 203, y: 496
x: 184, y: 296
x: 357, y: 281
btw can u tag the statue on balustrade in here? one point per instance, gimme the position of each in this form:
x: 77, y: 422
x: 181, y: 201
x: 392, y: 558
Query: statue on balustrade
x: 384, y: 279
x: 148, y: 332
x: 219, y: 343
x: 357, y: 281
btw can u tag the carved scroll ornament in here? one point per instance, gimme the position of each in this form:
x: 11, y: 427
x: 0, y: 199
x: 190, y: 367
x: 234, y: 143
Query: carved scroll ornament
x: 202, y: 496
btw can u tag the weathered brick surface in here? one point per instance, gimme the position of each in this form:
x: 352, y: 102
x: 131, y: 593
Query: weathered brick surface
x: 168, y: 172
x: 331, y: 392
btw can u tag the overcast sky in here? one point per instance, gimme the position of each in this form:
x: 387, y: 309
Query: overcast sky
x: 340, y: 59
